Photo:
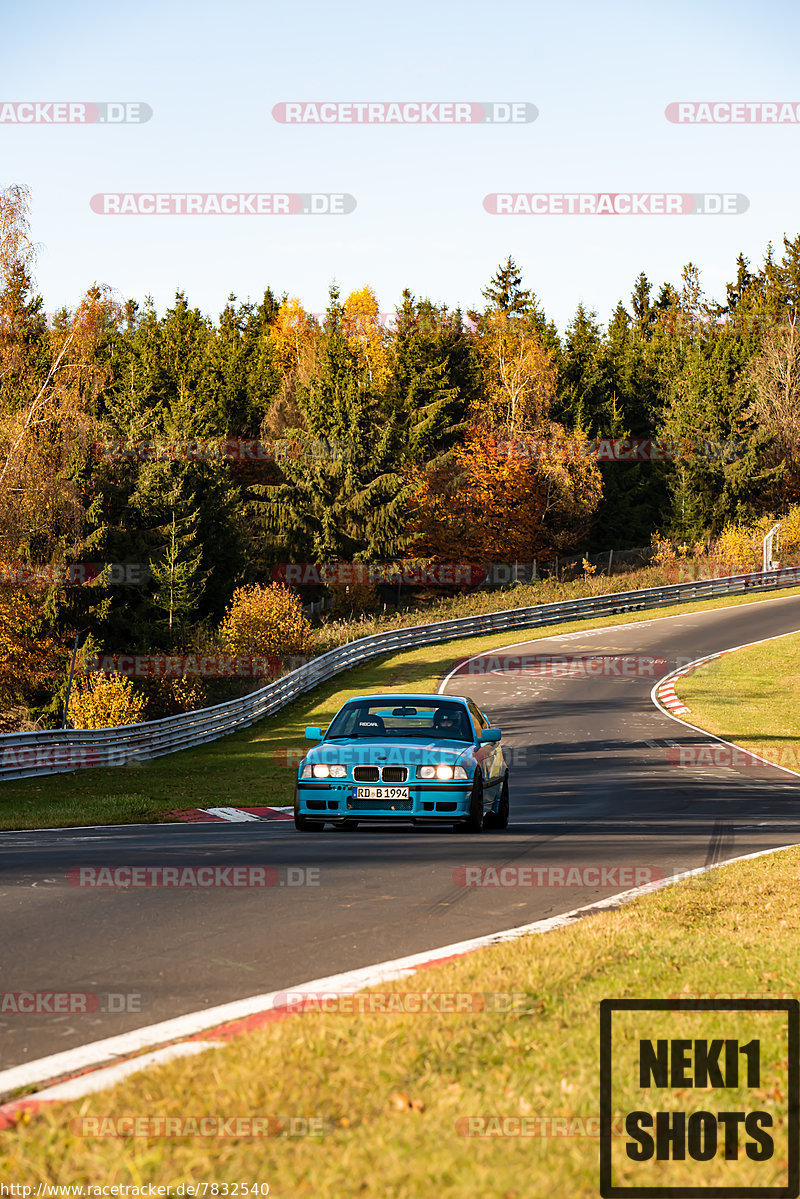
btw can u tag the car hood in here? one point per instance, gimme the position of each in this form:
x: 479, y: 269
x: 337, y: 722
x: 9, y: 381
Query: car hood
x: 379, y: 751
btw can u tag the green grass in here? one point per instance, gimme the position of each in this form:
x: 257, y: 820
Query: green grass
x: 752, y: 698
x: 392, y: 1091
x: 428, y: 607
x: 249, y: 768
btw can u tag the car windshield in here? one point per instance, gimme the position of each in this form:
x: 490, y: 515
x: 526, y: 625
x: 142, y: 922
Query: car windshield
x: 384, y: 718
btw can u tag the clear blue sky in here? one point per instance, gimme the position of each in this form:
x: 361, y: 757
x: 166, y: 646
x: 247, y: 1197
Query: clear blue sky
x: 600, y: 74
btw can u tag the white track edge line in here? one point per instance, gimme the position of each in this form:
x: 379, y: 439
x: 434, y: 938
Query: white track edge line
x: 101, y: 1080
x: 695, y: 727
x: 633, y: 624
x: 96, y: 1053
x: 772, y: 599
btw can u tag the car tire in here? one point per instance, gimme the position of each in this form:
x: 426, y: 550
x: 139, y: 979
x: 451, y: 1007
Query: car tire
x: 304, y: 824
x: 499, y: 819
x: 474, y: 822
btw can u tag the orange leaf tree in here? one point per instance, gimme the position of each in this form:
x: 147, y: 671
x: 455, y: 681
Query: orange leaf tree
x: 30, y: 661
x: 50, y: 384
x: 519, y: 375
x: 496, y: 505
x: 105, y: 702
x: 265, y: 620
x: 365, y: 334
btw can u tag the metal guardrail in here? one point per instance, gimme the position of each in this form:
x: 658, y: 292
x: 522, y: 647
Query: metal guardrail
x: 56, y: 751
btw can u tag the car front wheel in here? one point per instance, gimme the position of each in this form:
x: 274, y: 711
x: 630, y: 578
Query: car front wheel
x: 474, y: 822
x: 499, y: 819
x: 304, y: 824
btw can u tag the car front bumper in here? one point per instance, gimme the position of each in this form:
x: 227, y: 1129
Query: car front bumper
x: 334, y: 802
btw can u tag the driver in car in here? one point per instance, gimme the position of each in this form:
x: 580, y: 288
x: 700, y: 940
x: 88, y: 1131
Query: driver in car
x: 448, y: 722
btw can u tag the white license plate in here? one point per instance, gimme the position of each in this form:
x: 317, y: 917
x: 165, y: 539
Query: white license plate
x: 381, y: 792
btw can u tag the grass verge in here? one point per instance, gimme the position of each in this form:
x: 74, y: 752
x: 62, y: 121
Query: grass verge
x: 250, y: 768
x: 752, y: 698
x: 393, y: 1092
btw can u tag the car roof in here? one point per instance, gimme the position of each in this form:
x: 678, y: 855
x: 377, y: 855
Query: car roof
x: 426, y: 697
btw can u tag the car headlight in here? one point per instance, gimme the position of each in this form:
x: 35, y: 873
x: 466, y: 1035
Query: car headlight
x: 441, y: 772
x: 321, y: 770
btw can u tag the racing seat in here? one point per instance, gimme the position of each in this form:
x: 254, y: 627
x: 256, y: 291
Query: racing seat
x: 371, y: 726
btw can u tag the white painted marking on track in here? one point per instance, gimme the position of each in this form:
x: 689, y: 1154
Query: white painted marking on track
x: 634, y: 624
x: 234, y: 815
x: 97, y: 1053
x: 696, y: 728
x: 100, y: 1080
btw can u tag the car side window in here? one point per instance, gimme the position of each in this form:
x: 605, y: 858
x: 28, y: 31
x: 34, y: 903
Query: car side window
x: 477, y: 717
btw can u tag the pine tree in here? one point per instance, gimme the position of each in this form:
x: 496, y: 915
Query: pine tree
x: 505, y: 291
x: 506, y: 296
x: 179, y: 580
x: 433, y: 379
x: 342, y: 497
x: 735, y: 292
x: 583, y: 392
x: 642, y: 309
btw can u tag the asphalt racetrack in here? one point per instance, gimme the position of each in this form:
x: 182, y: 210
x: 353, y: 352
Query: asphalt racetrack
x: 595, y: 788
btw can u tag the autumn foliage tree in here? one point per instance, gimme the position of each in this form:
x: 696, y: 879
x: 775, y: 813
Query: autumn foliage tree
x: 294, y: 336
x: 265, y: 621
x: 103, y: 701
x: 50, y: 384
x: 31, y: 661
x: 361, y: 326
x: 519, y: 375
x: 500, y: 504
x: 775, y: 377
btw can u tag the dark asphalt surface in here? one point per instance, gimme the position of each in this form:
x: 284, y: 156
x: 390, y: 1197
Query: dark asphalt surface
x: 591, y: 786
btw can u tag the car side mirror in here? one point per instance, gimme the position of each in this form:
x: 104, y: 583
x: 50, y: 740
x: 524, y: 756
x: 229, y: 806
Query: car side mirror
x: 313, y: 733
x: 491, y: 735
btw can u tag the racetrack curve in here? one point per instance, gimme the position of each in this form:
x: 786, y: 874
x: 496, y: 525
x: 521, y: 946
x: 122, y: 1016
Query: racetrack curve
x: 591, y: 787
